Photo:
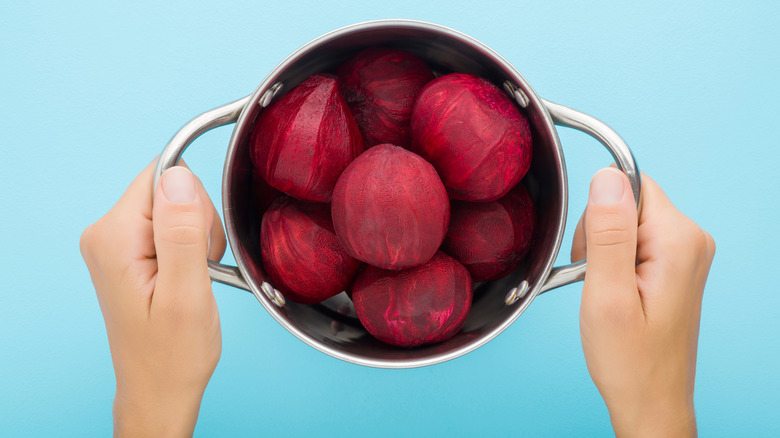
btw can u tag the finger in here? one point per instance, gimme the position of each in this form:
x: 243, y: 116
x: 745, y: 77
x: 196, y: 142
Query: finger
x: 578, y: 248
x: 655, y: 199
x: 611, y: 239
x: 182, y: 219
x: 657, y: 222
x: 138, y: 196
x: 133, y: 214
x: 124, y: 234
x: 217, y: 242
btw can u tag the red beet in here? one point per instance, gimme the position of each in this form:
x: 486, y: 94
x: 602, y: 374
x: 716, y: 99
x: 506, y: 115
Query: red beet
x: 491, y: 239
x: 390, y: 208
x: 303, y: 141
x: 414, y: 306
x: 301, y: 253
x: 380, y: 85
x: 474, y: 136
x: 262, y: 193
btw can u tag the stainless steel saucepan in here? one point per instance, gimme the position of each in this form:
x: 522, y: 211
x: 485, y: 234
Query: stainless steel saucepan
x: 332, y: 326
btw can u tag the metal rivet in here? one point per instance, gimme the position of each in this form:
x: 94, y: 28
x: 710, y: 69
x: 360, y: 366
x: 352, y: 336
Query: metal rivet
x: 270, y: 94
x: 274, y: 295
x: 278, y: 299
x: 510, y: 89
x: 516, y: 293
x: 268, y: 289
x: 520, y: 97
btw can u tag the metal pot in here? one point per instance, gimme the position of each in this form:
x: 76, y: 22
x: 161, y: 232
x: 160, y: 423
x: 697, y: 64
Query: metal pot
x: 332, y: 326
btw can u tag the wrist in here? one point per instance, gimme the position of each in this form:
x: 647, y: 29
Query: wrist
x: 156, y: 413
x: 661, y: 418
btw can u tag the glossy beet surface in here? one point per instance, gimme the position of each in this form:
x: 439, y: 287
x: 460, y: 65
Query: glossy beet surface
x: 390, y: 208
x: 301, y: 253
x: 474, y: 136
x: 380, y: 86
x: 491, y: 238
x: 304, y: 140
x: 414, y: 306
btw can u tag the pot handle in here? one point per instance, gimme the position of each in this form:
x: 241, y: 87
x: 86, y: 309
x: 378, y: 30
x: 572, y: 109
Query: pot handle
x: 565, y: 116
x: 173, y: 151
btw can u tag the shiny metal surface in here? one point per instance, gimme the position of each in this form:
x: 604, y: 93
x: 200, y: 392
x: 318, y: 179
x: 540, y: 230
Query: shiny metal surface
x: 172, y: 153
x: 516, y: 293
x: 332, y: 326
x: 274, y: 295
x: 516, y: 94
x: 229, y: 275
x: 564, y: 116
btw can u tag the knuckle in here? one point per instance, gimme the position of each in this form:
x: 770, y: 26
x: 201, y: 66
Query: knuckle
x: 612, y: 236
x: 85, y: 241
x: 183, y: 227
x: 183, y: 234
x: 93, y: 240
x: 710, y: 243
x: 699, y: 240
x: 694, y: 237
x: 686, y: 242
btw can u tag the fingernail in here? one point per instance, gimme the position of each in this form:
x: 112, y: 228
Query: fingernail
x: 178, y: 185
x: 606, y: 187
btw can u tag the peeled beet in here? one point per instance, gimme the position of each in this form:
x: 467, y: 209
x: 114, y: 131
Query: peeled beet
x: 491, y: 239
x: 414, y: 306
x: 380, y: 85
x: 390, y: 208
x: 304, y: 140
x: 262, y: 193
x: 474, y: 136
x: 301, y: 253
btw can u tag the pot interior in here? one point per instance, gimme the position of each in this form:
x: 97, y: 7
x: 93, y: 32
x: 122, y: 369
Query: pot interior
x: 332, y: 326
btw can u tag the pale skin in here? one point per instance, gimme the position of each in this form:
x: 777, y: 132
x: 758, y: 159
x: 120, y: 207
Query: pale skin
x: 639, y: 318
x: 641, y: 305
x: 147, y: 260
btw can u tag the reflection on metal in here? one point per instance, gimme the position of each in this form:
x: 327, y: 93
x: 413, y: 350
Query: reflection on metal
x: 274, y: 295
x: 444, y: 49
x: 270, y: 94
x: 520, y: 97
x: 516, y: 293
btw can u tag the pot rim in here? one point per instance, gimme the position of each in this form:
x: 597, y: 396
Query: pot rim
x: 260, y: 94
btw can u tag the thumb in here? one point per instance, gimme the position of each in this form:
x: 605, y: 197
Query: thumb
x: 610, y: 234
x: 181, y: 223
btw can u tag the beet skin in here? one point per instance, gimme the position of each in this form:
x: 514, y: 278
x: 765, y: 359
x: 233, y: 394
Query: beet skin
x: 491, y: 238
x: 474, y: 136
x: 414, y: 306
x: 304, y: 140
x: 380, y: 86
x: 301, y: 253
x: 390, y: 208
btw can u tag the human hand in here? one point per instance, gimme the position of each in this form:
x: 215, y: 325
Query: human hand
x: 641, y: 304
x: 147, y: 260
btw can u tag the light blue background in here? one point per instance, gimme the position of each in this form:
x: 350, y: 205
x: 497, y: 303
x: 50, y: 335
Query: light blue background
x: 91, y: 92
